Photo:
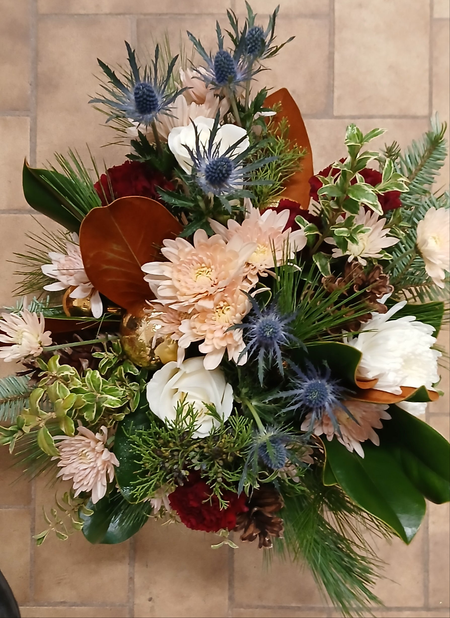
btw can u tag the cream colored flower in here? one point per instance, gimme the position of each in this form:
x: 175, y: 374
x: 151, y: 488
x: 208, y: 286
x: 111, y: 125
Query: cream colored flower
x: 68, y: 269
x: 197, y: 89
x: 226, y: 136
x: 211, y: 325
x: 397, y: 352
x: 25, y: 335
x: 433, y: 241
x: 195, y: 273
x: 193, y: 385
x: 267, y: 231
x: 85, y: 460
x: 352, y: 433
x: 370, y: 243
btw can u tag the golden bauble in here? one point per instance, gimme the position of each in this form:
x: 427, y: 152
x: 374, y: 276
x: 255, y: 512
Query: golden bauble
x: 143, y: 343
x: 76, y: 307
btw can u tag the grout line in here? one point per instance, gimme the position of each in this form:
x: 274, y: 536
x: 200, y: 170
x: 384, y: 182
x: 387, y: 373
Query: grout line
x: 131, y: 575
x: 14, y: 507
x: 18, y: 211
x: 15, y: 113
x: 33, y: 81
x: 139, y: 15
x: 72, y: 604
x: 331, y: 56
x: 231, y: 605
x: 32, y: 533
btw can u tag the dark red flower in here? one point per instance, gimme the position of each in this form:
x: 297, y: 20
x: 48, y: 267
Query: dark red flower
x: 199, y: 510
x: 388, y: 201
x: 131, y: 178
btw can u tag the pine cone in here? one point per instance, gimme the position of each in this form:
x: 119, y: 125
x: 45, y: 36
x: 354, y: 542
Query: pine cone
x: 259, y: 521
x: 374, y: 284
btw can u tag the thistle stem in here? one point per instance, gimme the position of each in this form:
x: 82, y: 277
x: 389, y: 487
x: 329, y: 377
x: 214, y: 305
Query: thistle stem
x: 248, y: 404
x: 74, y: 344
x: 234, y: 107
x: 156, y: 136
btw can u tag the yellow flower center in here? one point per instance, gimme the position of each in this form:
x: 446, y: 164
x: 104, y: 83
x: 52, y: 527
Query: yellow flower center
x: 260, y: 254
x: 202, y: 273
x: 222, y: 313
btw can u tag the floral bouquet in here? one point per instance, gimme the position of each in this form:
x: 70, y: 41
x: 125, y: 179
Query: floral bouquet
x: 220, y: 338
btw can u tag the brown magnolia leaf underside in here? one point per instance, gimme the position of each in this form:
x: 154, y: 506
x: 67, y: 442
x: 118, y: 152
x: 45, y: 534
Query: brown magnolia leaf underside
x: 116, y: 240
x: 297, y: 186
x: 372, y: 395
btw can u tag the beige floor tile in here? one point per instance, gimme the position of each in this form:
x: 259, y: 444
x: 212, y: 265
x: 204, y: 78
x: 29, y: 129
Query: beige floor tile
x: 439, y: 536
x: 15, y: 55
x: 281, y: 583
x: 68, y: 49
x: 14, y: 148
x: 15, y: 488
x: 128, y: 6
x: 294, y: 7
x: 402, y: 583
x: 381, y: 58
x: 441, y: 81
x: 304, y: 73
x: 275, y: 612
x: 15, y: 551
x: 178, y: 574
x: 73, y: 612
x: 441, y: 8
x: 327, y: 135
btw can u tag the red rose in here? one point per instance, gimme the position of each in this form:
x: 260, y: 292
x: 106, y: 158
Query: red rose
x: 388, y: 201
x: 199, y: 510
x: 131, y: 178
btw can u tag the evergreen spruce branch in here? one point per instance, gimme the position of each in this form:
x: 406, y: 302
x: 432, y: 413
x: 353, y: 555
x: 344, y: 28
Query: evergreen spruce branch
x: 14, y: 394
x: 83, y: 196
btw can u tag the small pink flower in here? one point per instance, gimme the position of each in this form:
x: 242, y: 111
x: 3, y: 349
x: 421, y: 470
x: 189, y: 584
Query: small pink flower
x: 25, y: 335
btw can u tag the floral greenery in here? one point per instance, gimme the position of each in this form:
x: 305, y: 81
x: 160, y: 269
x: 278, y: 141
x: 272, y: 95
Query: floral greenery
x: 14, y: 394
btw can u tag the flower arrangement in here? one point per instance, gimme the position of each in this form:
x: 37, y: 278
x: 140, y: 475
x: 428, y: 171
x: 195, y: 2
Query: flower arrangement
x: 219, y: 337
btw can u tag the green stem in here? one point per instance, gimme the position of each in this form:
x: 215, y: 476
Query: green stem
x: 156, y: 136
x: 247, y: 89
x: 75, y: 344
x: 248, y: 404
x: 234, y: 107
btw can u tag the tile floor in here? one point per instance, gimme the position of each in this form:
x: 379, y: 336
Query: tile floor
x: 377, y: 63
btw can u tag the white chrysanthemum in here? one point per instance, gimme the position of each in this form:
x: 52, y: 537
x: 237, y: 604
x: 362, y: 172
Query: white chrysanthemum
x: 367, y: 417
x: 397, y: 352
x: 370, y: 243
x: 68, y: 269
x: 433, y: 241
x: 85, y: 460
x: 25, y: 335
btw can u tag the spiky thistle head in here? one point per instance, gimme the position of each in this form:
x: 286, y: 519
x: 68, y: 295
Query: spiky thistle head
x: 140, y: 94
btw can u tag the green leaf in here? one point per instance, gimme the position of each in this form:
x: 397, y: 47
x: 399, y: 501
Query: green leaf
x: 322, y: 261
x: 364, y: 194
x: 113, y: 519
x: 124, y: 451
x: 341, y: 358
x: 423, y: 453
x: 45, y: 199
x: 379, y: 485
x: 46, y: 443
x: 330, y: 191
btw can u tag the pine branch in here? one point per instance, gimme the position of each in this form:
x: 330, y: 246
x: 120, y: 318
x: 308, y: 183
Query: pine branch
x: 14, y: 393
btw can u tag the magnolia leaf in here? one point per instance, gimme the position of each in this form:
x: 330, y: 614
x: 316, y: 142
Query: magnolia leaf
x: 297, y: 186
x: 116, y: 240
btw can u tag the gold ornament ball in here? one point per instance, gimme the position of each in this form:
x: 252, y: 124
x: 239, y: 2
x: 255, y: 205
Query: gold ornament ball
x: 142, y: 342
x: 76, y: 307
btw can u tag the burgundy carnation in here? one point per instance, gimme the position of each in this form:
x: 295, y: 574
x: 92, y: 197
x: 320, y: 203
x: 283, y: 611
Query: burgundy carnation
x: 131, y: 178
x: 199, y: 510
x: 388, y: 201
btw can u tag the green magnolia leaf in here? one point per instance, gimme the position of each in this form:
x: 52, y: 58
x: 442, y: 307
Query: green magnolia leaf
x: 422, y: 452
x: 39, y: 193
x: 113, y: 520
x: 123, y: 450
x: 341, y: 358
x: 378, y: 484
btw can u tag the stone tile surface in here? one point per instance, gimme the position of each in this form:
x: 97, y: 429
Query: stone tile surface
x: 15, y: 55
x: 186, y: 7
x: 15, y: 135
x: 441, y: 9
x: 381, y: 58
x: 294, y: 7
x: 441, y: 81
x: 68, y: 611
x: 15, y: 490
x: 275, y: 612
x: 15, y: 551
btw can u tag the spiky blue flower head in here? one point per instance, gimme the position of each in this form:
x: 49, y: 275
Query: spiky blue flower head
x: 273, y: 452
x: 138, y: 95
x: 223, y: 173
x: 255, y: 41
x: 266, y: 332
x: 315, y: 392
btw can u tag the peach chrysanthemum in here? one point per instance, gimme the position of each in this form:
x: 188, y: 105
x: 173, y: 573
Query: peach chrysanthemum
x: 195, y: 273
x: 267, y: 231
x: 371, y: 241
x: 85, y: 460
x: 368, y: 415
x: 433, y: 241
x: 212, y: 325
x: 24, y: 333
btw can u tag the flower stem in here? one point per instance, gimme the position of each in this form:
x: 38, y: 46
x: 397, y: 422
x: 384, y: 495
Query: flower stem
x: 156, y: 136
x: 248, y: 404
x: 74, y: 344
x: 234, y: 107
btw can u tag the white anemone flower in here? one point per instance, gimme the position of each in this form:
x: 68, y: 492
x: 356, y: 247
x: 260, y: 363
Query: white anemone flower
x: 370, y: 242
x: 397, y: 352
x: 68, y: 269
x: 85, y: 460
x: 433, y: 241
x: 25, y: 335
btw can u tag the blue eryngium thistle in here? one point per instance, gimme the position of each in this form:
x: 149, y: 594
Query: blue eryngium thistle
x: 266, y: 331
x: 139, y: 94
x: 314, y: 392
x: 224, y: 174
